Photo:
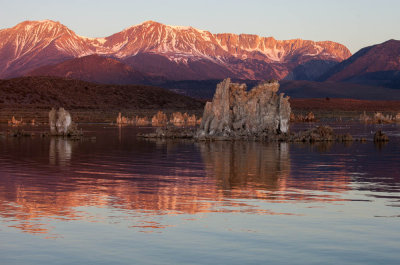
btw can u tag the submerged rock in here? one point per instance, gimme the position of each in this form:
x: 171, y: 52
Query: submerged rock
x: 234, y: 112
x: 320, y: 134
x: 379, y: 136
x: 19, y: 133
x: 170, y: 132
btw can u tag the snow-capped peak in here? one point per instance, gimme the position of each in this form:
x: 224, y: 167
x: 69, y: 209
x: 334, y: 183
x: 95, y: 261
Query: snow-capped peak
x: 177, y: 43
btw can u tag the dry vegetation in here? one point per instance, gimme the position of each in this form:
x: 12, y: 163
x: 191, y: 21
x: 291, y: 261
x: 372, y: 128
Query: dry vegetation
x: 346, y: 108
x: 32, y: 98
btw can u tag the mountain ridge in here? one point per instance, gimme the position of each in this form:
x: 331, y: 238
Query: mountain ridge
x: 94, y: 68
x: 377, y: 65
x: 33, y: 44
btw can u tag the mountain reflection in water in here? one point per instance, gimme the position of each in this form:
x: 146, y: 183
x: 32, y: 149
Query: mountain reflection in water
x: 60, y: 179
x: 159, y: 178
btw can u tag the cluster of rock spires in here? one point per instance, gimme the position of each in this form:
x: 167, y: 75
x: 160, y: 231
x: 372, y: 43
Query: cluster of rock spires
x: 160, y: 119
x: 237, y: 113
x: 179, y: 119
x: 379, y: 118
x: 60, y: 123
x: 260, y: 114
x: 309, y: 117
x: 15, y: 122
x: 234, y: 114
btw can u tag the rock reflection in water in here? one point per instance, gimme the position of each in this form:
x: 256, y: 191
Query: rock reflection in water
x: 247, y: 164
x: 254, y: 170
x: 139, y: 183
x: 60, y: 151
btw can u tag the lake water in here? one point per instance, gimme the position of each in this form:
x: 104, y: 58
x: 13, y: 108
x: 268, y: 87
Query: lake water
x: 121, y: 200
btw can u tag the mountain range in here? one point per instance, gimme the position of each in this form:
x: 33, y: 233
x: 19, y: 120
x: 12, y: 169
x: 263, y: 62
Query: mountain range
x: 177, y: 57
x: 170, y: 52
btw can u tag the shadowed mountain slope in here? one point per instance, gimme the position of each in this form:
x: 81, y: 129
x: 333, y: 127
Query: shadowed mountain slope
x: 93, y: 68
x: 377, y: 65
x: 46, y: 92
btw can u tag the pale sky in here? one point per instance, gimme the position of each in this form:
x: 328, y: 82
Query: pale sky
x: 354, y: 23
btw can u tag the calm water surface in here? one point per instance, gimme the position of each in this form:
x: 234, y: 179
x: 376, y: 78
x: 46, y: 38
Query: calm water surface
x: 120, y: 200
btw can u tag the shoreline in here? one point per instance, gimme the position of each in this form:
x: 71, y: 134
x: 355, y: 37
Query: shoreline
x: 323, y: 109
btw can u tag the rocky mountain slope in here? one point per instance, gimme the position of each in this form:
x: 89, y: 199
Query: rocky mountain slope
x: 94, y: 68
x: 173, y: 52
x: 375, y: 65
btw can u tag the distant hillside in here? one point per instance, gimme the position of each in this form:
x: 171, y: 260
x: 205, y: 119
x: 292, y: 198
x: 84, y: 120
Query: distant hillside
x: 202, y: 89
x: 94, y: 68
x: 377, y: 65
x: 296, y: 89
x: 46, y: 92
x: 334, y: 105
x: 309, y: 89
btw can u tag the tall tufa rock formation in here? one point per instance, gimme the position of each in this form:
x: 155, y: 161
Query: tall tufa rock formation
x: 61, y: 123
x: 235, y: 112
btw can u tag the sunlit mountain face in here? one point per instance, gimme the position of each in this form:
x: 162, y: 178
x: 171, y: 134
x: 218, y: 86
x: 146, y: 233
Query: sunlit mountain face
x: 171, y: 52
x: 377, y: 65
